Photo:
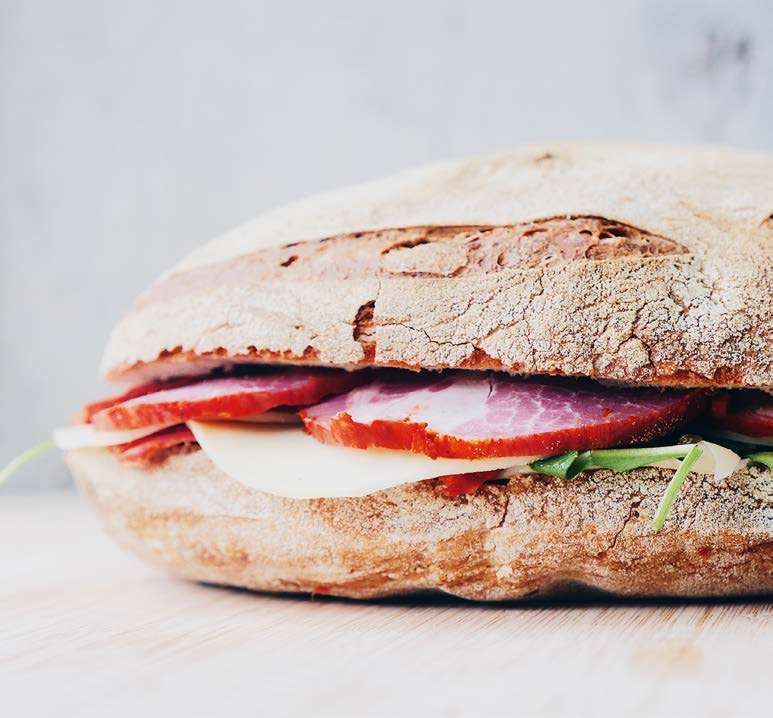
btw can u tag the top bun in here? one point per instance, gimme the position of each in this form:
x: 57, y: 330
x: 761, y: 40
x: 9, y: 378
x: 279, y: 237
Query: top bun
x: 626, y: 263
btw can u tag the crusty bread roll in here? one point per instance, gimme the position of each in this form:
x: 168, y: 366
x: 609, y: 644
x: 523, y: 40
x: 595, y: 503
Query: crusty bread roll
x: 530, y: 537
x: 633, y: 264
x: 629, y: 263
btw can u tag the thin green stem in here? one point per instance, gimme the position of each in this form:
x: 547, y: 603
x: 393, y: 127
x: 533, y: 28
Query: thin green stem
x: 24, y: 457
x: 673, y: 452
x: 674, y: 486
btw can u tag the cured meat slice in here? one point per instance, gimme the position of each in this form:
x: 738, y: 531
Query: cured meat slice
x: 227, y: 397
x: 744, y: 412
x: 470, y: 415
x: 459, y: 484
x: 90, y: 410
x: 155, y: 448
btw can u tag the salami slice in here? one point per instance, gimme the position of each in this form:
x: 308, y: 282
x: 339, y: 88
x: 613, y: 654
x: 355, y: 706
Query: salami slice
x: 744, y: 412
x: 226, y: 397
x: 155, y: 448
x: 471, y: 415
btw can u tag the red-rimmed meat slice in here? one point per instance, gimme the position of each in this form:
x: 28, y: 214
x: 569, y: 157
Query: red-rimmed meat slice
x: 155, y: 448
x: 227, y: 397
x: 744, y: 412
x: 469, y: 415
x: 459, y: 484
x: 90, y: 410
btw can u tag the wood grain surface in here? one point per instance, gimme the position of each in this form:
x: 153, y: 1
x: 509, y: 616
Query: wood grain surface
x: 88, y: 631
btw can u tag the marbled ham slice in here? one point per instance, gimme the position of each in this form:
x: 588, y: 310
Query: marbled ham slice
x: 471, y: 415
x: 744, y: 412
x: 226, y: 397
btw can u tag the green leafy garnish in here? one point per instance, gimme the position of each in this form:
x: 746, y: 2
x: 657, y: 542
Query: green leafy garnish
x: 558, y: 466
x: 568, y: 465
x: 24, y: 457
x: 674, y: 486
x: 762, y: 457
x: 627, y: 459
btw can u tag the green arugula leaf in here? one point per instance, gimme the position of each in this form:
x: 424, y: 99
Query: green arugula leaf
x: 583, y: 462
x: 568, y: 465
x: 762, y: 457
x: 627, y: 459
x: 674, y: 486
x: 556, y: 465
x: 12, y: 466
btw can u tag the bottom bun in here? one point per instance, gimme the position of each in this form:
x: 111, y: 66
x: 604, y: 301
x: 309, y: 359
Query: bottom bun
x: 531, y: 536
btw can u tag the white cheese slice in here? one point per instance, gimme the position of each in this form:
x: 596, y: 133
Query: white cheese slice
x: 86, y: 436
x: 285, y: 461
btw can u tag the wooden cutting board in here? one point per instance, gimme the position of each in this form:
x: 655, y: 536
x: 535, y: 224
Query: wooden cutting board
x: 86, y: 630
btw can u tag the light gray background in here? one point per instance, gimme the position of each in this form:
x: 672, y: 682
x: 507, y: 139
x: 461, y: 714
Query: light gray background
x: 131, y: 132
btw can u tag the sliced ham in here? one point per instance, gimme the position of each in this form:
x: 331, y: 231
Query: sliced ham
x: 90, y: 410
x: 744, y: 412
x: 155, y: 448
x: 471, y: 415
x: 225, y: 398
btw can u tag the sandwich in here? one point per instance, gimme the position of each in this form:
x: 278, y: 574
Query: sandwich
x: 512, y: 376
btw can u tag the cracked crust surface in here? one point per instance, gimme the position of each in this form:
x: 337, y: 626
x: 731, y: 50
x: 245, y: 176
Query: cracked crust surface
x: 531, y: 536
x: 629, y: 263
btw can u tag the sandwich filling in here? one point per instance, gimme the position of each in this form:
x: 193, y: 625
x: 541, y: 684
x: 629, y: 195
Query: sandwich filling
x: 314, y: 432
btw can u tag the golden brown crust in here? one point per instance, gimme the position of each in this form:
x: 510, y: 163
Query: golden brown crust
x: 627, y: 263
x: 529, y: 537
